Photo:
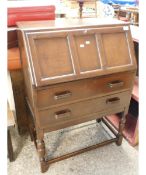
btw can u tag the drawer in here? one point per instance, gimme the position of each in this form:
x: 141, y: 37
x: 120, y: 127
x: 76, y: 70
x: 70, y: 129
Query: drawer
x: 78, y: 111
x: 87, y: 88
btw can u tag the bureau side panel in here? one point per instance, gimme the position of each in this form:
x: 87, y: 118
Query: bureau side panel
x: 26, y: 71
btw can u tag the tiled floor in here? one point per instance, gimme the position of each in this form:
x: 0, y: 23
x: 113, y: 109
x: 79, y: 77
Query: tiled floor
x: 107, y: 160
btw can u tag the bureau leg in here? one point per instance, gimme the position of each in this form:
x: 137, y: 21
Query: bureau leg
x: 98, y: 120
x: 42, y: 153
x: 10, y: 147
x: 121, y: 127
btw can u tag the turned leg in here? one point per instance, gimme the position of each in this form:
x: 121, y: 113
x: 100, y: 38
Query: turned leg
x: 41, y: 149
x: 42, y: 152
x: 121, y: 127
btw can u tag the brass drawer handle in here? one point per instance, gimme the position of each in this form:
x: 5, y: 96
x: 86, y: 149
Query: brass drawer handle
x: 62, y: 114
x: 113, y: 100
x: 116, y: 83
x: 62, y: 95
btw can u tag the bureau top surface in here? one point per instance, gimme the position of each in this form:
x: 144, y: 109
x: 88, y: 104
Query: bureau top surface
x: 69, y: 23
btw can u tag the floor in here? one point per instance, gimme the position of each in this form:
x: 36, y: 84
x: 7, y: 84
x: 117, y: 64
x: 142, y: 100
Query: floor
x: 107, y: 160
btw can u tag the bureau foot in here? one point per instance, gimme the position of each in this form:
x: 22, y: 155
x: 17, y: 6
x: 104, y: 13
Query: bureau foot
x: 42, y: 152
x: 44, y: 166
x: 10, y: 147
x: 98, y: 120
x: 119, y: 141
x: 121, y: 127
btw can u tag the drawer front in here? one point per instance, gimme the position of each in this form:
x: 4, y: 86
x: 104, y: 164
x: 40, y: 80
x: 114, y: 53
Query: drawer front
x: 87, y: 88
x: 78, y: 111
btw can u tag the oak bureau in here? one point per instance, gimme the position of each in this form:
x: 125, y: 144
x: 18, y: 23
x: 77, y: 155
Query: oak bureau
x: 76, y: 70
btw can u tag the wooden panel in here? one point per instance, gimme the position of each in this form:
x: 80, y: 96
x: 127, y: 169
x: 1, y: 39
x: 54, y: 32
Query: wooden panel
x: 12, y: 37
x: 19, y: 98
x: 87, y: 52
x: 88, y: 88
x: 73, y: 111
x: 26, y: 72
x: 61, y: 56
x: 53, y: 57
x: 116, y: 49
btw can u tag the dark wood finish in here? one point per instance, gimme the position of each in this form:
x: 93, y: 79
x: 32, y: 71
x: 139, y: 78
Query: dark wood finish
x: 19, y: 98
x: 97, y: 46
x: 107, y: 124
x: 72, y: 112
x: 10, y: 147
x: 121, y: 127
x: 87, y: 50
x: 84, y: 89
x: 10, y: 124
x: 12, y: 37
x: 75, y: 71
x: 81, y: 151
x: 58, y: 51
x: 46, y: 163
x: 130, y: 132
x: 113, y: 56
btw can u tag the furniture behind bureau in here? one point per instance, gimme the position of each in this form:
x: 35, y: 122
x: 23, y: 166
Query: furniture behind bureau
x: 10, y: 124
x: 75, y: 71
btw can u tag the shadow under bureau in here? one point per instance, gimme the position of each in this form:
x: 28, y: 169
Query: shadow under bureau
x: 76, y: 70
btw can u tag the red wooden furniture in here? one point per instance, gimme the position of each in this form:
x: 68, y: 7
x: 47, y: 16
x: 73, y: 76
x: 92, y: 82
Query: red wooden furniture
x: 30, y: 13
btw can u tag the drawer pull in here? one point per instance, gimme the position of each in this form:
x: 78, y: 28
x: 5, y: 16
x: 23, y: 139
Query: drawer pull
x: 116, y: 83
x: 113, y: 100
x: 62, y: 95
x: 62, y: 114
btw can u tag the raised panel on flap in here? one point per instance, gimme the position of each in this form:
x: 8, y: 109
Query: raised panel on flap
x: 87, y: 52
x: 53, y: 57
x: 116, y: 49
